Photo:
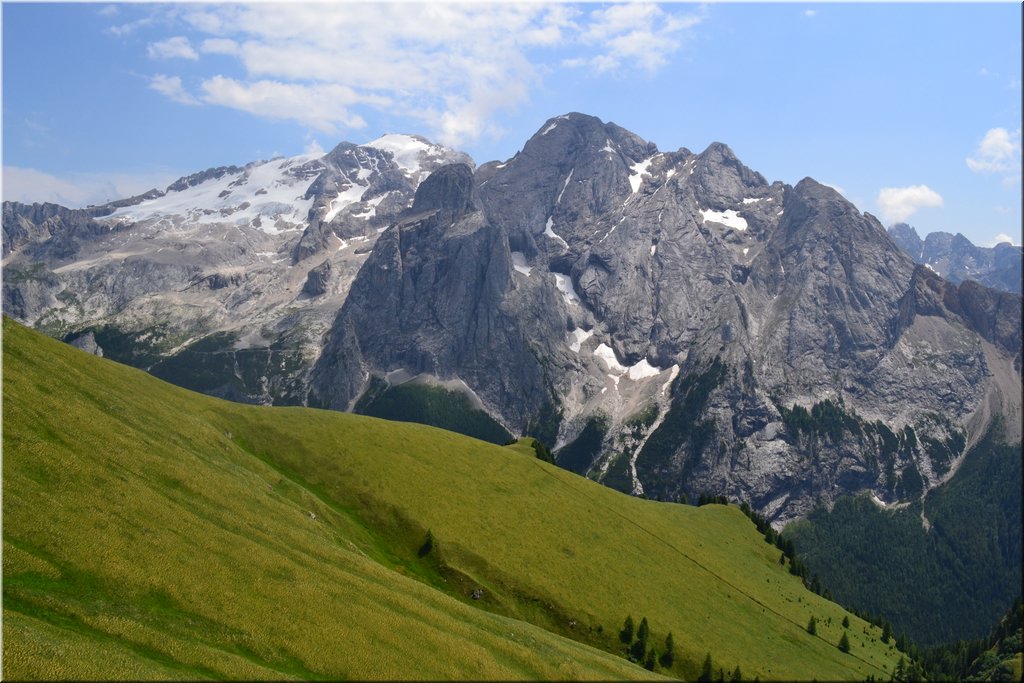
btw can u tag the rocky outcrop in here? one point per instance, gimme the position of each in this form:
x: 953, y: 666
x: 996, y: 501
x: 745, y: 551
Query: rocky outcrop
x: 994, y: 315
x: 201, y: 177
x: 87, y: 343
x: 317, y: 280
x: 436, y: 297
x: 51, y: 230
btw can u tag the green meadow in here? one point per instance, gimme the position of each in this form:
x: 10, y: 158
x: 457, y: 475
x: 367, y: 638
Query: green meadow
x: 151, y: 532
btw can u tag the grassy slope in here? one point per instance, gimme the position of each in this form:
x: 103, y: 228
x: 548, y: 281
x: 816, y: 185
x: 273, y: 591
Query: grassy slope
x: 152, y: 532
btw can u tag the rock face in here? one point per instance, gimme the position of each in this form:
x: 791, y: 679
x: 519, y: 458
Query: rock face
x: 670, y: 322
x: 87, y: 342
x: 437, y: 297
x: 51, y: 231
x: 956, y: 259
x: 317, y: 280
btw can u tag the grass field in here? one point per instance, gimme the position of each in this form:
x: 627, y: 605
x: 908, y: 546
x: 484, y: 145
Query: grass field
x: 150, y: 532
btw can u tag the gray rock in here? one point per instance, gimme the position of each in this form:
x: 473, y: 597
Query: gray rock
x: 317, y: 280
x: 87, y: 343
x: 437, y: 297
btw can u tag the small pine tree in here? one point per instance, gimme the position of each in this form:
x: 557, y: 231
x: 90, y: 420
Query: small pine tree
x: 428, y: 545
x: 846, y: 622
x: 737, y: 675
x: 626, y: 634
x: 669, y: 655
x: 649, y: 661
x: 812, y: 626
x: 705, y: 671
x: 638, y: 650
x: 644, y: 631
x: 844, y: 643
x: 900, y: 674
x: 886, y: 632
x: 915, y: 673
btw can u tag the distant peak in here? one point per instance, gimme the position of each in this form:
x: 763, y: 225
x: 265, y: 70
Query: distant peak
x: 719, y: 149
x: 399, y: 142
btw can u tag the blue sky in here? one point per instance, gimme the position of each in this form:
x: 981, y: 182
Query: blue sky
x: 912, y: 110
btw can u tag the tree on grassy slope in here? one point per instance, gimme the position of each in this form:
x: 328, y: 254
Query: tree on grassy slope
x: 626, y: 634
x: 669, y: 655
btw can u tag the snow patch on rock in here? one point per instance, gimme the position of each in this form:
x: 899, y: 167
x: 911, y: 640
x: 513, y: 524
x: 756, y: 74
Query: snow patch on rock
x: 519, y: 263
x: 577, y: 337
x: 728, y: 218
x: 637, y: 173
x: 552, y: 234
x: 564, y: 284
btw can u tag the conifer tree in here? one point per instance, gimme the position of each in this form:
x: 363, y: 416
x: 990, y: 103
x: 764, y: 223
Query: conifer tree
x: 844, y: 643
x: 626, y: 634
x: 669, y: 655
x: 846, y: 622
x: 737, y: 675
x: 644, y: 631
x: 638, y: 650
x: 812, y: 626
x: 886, y: 631
x: 427, y: 546
x: 705, y: 671
x: 900, y: 674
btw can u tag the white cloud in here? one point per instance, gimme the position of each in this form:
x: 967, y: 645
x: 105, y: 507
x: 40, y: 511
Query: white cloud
x: 177, y: 47
x: 1003, y: 237
x: 220, y: 46
x: 998, y: 152
x: 130, y: 27
x: 452, y: 66
x: 77, y: 190
x: 313, y: 147
x: 319, y: 106
x: 638, y: 35
x: 171, y: 87
x: 810, y: 12
x: 897, y: 204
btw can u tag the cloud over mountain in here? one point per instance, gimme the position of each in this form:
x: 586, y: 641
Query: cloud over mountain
x: 450, y: 66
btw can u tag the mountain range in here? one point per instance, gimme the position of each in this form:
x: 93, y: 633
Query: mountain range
x: 670, y: 323
x: 956, y: 258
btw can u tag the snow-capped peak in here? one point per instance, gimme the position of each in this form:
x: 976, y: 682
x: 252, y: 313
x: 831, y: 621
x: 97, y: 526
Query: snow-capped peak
x: 412, y: 153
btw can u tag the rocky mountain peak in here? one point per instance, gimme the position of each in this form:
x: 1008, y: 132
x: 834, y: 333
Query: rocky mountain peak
x: 722, y: 181
x: 449, y: 189
x: 572, y: 138
x: 907, y: 238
